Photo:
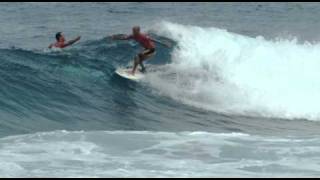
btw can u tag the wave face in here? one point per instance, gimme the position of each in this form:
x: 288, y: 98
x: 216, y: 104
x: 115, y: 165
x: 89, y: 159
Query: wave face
x: 218, y: 87
x: 235, y: 74
x: 156, y: 154
x: 73, y: 89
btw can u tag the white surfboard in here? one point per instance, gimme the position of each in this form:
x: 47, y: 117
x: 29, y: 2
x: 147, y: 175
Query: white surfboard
x: 126, y: 73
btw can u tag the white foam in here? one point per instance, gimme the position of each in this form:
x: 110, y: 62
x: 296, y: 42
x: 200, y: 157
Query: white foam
x: 157, y: 154
x: 231, y: 73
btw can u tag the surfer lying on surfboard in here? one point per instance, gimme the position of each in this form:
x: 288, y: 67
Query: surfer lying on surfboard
x: 145, y: 41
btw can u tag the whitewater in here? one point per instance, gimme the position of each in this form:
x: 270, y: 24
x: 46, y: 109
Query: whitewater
x: 228, y: 72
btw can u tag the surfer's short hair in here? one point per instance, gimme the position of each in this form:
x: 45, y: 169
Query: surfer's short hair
x: 58, y: 35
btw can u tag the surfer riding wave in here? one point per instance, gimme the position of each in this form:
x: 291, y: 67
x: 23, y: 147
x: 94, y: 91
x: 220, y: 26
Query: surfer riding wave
x: 145, y: 41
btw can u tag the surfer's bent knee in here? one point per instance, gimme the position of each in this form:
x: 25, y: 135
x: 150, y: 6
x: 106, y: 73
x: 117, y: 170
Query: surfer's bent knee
x: 137, y: 59
x: 141, y: 56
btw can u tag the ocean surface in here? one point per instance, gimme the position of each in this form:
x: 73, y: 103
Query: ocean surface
x: 237, y: 95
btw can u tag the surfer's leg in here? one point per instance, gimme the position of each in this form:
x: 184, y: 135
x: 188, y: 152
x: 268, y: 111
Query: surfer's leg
x: 141, y: 58
x: 143, y: 69
x: 135, y: 64
x: 146, y: 54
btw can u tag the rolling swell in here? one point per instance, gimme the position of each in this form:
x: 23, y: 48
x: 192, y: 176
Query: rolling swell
x: 77, y: 90
x: 48, y: 90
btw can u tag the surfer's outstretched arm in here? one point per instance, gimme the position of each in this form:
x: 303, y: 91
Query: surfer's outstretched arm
x: 72, y: 41
x: 121, y: 37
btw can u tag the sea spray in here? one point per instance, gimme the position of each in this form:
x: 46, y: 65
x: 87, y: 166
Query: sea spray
x: 222, y: 71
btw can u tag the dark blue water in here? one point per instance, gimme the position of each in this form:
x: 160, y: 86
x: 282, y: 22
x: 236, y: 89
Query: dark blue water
x: 237, y: 92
